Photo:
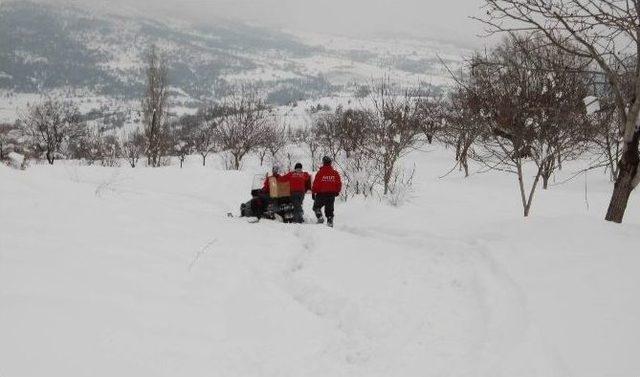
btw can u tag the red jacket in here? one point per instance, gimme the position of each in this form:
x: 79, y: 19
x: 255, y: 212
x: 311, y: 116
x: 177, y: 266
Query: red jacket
x: 299, y: 181
x: 327, y: 181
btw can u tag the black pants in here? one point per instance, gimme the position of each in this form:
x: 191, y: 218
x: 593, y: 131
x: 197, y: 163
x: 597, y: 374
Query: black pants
x: 326, y: 201
x: 296, y: 199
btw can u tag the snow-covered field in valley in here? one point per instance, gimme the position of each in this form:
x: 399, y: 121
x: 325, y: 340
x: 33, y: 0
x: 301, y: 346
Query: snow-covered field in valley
x: 139, y: 272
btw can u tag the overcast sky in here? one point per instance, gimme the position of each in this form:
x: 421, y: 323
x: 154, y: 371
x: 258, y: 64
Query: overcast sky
x: 431, y: 18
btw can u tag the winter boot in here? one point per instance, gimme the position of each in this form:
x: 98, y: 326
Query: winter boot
x: 330, y: 221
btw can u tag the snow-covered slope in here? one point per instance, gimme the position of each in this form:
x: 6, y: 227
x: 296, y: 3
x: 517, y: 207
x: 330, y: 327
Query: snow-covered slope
x: 122, y: 272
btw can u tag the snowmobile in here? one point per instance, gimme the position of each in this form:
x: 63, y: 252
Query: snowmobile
x: 275, y: 205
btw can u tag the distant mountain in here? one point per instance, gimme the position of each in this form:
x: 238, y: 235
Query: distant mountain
x: 45, y: 47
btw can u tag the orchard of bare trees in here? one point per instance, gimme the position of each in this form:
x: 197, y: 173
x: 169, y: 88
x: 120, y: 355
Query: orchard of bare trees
x: 521, y: 103
x: 605, y: 34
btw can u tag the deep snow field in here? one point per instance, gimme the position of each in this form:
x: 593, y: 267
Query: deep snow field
x: 139, y: 272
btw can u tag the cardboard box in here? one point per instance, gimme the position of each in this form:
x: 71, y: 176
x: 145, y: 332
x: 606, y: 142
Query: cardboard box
x: 278, y: 189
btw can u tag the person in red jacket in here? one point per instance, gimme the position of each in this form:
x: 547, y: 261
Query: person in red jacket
x: 261, y: 200
x: 299, y: 183
x: 275, y: 172
x: 326, y: 186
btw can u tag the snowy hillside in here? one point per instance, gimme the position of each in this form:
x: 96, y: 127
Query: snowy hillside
x: 99, y: 53
x: 138, y: 272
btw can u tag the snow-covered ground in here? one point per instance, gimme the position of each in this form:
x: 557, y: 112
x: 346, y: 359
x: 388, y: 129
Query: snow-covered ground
x: 138, y: 272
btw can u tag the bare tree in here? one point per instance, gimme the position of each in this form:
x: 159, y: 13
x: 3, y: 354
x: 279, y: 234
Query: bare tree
x: 430, y: 112
x: 605, y: 31
x: 328, y: 133
x: 307, y: 136
x: 201, y: 128
x: 395, y: 128
x: 241, y: 124
x: 275, y: 138
x: 462, y: 124
x: 354, y: 132
x: 564, y: 130
x: 182, y: 140
x: 49, y: 125
x: 204, y: 140
x: 133, y: 147
x: 154, y: 107
x: 86, y: 146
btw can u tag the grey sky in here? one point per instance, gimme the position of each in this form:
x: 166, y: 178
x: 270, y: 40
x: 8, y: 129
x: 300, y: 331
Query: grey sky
x: 448, y: 19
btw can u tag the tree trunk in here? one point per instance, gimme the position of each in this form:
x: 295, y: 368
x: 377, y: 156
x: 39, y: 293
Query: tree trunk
x: 204, y: 160
x: 262, y: 156
x: 521, y: 186
x: 547, y: 170
x: 527, y: 201
x: 236, y: 161
x: 387, y: 180
x: 464, y: 161
x: 625, y: 183
x: 465, y: 166
x: 50, y: 157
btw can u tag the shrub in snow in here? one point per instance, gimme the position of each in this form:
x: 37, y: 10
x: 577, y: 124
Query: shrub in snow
x: 11, y: 140
x: 401, y: 188
x: 359, y: 176
x: 17, y: 161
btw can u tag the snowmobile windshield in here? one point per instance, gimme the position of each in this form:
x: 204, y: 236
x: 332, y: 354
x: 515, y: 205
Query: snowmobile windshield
x: 258, y: 181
